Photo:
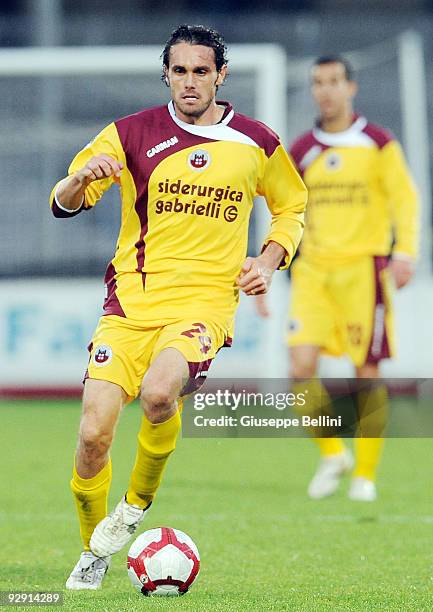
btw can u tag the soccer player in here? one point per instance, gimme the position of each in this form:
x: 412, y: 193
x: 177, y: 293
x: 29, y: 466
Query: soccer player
x: 188, y: 173
x: 361, y: 231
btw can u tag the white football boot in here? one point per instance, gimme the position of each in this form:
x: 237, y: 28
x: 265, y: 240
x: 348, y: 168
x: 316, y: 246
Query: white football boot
x: 362, y: 489
x: 115, y: 530
x: 89, y: 572
x: 327, y: 478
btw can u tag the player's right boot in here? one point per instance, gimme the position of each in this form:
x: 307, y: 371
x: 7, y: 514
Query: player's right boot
x: 115, y: 530
x: 362, y: 489
x: 327, y: 478
x: 89, y: 572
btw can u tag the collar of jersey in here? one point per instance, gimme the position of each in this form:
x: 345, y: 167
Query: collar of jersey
x: 335, y: 139
x: 202, y: 130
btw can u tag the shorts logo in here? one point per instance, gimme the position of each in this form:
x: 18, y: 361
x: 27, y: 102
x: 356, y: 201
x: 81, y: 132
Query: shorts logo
x: 333, y: 161
x: 199, y: 159
x: 355, y: 334
x: 206, y: 344
x: 103, y: 355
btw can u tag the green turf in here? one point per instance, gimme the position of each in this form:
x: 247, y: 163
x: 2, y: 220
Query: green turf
x: 264, y: 545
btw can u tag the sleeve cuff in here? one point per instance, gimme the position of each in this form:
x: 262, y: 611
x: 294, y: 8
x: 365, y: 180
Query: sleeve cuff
x: 286, y: 259
x: 67, y: 210
x: 60, y: 212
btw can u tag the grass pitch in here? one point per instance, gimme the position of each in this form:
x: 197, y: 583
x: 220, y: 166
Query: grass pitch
x: 263, y: 544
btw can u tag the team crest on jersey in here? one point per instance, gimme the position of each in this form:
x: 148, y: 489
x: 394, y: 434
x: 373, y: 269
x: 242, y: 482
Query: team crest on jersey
x: 103, y: 355
x: 294, y: 326
x: 333, y: 161
x: 199, y: 159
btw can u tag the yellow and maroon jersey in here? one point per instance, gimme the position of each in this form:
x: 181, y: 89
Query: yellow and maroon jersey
x: 187, y: 193
x: 361, y: 195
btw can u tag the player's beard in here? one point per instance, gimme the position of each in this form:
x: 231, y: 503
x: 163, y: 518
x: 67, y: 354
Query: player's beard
x: 194, y: 112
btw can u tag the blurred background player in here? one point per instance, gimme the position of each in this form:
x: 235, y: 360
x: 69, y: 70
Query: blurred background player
x: 188, y: 174
x: 361, y: 229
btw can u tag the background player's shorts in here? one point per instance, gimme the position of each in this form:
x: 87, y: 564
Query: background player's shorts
x: 345, y: 308
x: 122, y: 350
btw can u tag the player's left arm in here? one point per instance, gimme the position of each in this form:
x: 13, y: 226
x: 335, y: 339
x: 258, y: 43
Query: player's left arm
x: 403, y: 201
x: 286, y: 197
x: 256, y: 272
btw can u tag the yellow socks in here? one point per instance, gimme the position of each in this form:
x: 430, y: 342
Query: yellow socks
x: 368, y: 452
x: 318, y: 403
x: 330, y: 446
x: 373, y: 413
x: 155, y: 444
x: 372, y: 417
x: 91, y: 495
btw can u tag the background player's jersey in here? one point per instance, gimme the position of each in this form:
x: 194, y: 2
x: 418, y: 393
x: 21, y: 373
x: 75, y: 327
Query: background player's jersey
x: 361, y: 195
x: 187, y: 193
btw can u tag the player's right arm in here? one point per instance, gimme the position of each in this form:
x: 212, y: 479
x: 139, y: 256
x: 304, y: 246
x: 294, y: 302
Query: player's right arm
x: 90, y: 174
x: 71, y: 190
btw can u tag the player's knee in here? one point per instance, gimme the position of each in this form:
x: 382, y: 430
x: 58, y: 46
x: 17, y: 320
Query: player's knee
x: 94, y: 439
x: 303, y: 362
x: 156, y: 401
x: 303, y: 368
x: 368, y: 370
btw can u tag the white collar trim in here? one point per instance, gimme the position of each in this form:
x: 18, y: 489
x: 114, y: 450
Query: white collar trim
x: 217, y: 131
x: 353, y: 136
x: 188, y: 126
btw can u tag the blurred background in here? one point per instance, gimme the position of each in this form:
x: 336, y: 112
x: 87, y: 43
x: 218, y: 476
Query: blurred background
x: 52, y: 105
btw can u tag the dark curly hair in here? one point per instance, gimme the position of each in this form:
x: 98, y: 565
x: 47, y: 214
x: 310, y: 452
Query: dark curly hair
x: 197, y: 35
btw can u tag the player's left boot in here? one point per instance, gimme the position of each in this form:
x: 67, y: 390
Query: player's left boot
x: 362, y: 489
x: 88, y: 573
x: 327, y: 478
x: 115, y: 530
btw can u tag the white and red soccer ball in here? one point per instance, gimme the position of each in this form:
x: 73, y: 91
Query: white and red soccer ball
x: 163, y: 561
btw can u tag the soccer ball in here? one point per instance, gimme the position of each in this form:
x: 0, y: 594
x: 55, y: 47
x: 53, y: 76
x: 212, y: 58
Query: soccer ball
x: 163, y: 561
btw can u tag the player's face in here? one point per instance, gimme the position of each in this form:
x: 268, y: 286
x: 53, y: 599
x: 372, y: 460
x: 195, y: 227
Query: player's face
x: 331, y: 90
x: 193, y: 78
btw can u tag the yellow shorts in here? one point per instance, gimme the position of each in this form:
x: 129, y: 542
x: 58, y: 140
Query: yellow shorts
x: 122, y: 350
x: 344, y: 308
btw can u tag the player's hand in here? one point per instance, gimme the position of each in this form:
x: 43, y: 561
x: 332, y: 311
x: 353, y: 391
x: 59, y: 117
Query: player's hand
x: 402, y: 271
x: 254, y: 278
x: 261, y: 305
x: 99, y: 167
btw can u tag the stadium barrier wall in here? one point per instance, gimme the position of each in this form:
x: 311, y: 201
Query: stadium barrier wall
x: 45, y: 327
